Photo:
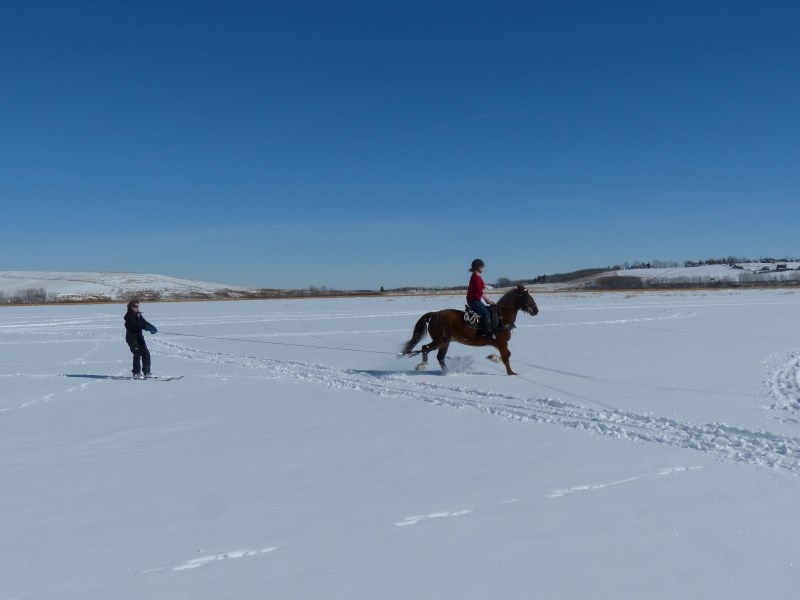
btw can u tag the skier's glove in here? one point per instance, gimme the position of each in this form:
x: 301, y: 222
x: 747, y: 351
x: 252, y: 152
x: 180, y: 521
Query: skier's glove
x: 152, y: 329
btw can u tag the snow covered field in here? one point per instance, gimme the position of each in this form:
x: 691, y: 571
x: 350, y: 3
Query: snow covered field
x: 650, y: 448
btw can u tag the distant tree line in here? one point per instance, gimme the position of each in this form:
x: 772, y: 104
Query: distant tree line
x: 655, y: 264
x: 726, y: 260
x: 26, y: 296
x: 631, y: 282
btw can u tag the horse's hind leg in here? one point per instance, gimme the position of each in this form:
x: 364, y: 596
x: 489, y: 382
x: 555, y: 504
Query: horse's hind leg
x: 424, y: 364
x: 441, y: 354
x: 427, y: 349
x: 434, y: 330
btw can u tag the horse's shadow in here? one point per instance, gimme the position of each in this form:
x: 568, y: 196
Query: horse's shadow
x: 386, y: 374
x: 458, y: 365
x: 420, y: 373
x: 91, y: 376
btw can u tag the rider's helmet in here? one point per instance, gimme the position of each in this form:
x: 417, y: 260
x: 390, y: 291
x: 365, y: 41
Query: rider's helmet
x: 477, y: 264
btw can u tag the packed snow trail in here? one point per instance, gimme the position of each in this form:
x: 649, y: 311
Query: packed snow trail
x: 783, y: 382
x: 723, y: 441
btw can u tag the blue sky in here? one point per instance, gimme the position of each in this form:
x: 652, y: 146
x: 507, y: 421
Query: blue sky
x: 357, y: 144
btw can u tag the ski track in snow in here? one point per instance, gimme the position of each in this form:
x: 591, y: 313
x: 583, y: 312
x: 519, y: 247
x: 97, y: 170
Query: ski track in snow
x: 48, y: 397
x: 202, y: 561
x: 416, y: 519
x: 600, y: 486
x: 720, y: 440
x: 419, y: 518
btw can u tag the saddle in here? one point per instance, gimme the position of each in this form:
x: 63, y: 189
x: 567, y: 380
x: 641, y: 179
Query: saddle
x: 473, y: 319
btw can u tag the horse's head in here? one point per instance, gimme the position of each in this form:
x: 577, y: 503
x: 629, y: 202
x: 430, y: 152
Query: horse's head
x: 525, y: 301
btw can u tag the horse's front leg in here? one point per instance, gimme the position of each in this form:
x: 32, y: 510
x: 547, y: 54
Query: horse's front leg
x: 441, y: 354
x: 505, y: 354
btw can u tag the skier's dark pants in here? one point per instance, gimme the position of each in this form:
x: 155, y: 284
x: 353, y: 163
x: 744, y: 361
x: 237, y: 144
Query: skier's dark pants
x: 141, y: 355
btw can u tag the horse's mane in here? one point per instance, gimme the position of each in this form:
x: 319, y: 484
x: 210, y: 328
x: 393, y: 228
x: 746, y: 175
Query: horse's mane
x: 507, y: 297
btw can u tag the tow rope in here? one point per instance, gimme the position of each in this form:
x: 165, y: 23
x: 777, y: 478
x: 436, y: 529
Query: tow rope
x: 211, y: 337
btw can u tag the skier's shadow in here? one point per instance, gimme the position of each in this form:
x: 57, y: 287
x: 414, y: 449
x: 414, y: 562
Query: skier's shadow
x: 90, y: 376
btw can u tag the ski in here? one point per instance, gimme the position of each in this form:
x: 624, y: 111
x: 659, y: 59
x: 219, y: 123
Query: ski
x: 161, y: 378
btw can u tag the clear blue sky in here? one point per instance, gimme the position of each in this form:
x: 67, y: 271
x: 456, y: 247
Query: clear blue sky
x: 365, y: 144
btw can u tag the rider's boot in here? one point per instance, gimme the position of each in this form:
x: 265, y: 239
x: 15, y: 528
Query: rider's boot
x: 486, y: 327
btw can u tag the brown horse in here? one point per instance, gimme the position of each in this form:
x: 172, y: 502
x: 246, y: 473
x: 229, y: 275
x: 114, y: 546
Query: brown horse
x: 448, y: 325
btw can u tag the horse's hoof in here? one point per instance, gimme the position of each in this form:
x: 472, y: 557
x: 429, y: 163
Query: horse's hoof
x: 421, y: 367
x: 495, y: 358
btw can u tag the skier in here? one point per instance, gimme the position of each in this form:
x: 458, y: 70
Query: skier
x: 475, y: 295
x: 135, y: 324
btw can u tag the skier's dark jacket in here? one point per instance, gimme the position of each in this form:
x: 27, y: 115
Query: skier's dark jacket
x: 135, y: 323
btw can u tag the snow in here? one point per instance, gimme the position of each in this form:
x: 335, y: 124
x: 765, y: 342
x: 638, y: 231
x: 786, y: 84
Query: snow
x: 649, y: 448
x: 85, y: 285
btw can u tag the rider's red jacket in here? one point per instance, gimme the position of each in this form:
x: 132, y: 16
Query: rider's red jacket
x: 476, y: 287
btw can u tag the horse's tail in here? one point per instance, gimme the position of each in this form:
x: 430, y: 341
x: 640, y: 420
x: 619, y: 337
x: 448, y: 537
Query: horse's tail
x: 420, y: 329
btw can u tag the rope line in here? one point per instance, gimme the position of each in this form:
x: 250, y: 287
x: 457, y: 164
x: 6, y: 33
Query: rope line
x: 211, y: 337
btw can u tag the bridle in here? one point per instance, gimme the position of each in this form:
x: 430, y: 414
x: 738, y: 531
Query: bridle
x: 523, y: 295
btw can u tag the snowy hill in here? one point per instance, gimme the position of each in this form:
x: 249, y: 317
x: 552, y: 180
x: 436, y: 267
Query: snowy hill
x: 743, y: 272
x: 82, y: 286
x: 719, y: 275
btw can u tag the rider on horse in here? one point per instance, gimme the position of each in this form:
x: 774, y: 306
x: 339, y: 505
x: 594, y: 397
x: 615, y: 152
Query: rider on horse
x: 475, y: 295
